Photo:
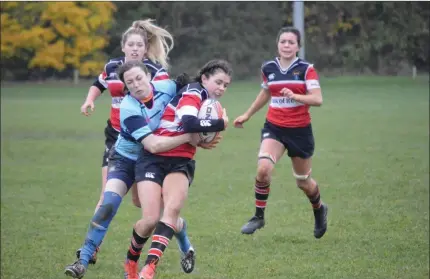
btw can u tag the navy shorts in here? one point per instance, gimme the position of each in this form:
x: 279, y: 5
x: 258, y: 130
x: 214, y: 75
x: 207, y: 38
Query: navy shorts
x: 298, y: 141
x: 151, y: 167
x: 111, y: 135
x: 121, y: 168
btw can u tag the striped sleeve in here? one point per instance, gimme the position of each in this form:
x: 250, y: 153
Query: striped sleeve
x: 102, y: 80
x: 264, y: 77
x: 311, y: 78
x: 157, y: 71
x: 161, y: 74
x: 189, y: 104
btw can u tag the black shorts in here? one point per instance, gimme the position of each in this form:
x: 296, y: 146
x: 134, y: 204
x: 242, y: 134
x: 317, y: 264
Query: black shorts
x: 111, y: 135
x: 298, y: 141
x: 121, y: 168
x: 151, y: 167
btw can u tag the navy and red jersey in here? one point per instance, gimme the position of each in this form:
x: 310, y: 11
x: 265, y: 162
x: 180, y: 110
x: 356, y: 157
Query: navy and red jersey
x: 180, y: 117
x: 187, y: 102
x: 109, y: 76
x: 299, y: 78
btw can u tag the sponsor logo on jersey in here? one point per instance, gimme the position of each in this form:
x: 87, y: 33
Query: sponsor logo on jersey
x: 271, y: 76
x: 296, y: 75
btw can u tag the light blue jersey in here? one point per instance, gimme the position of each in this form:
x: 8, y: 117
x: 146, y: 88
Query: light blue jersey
x: 137, y: 121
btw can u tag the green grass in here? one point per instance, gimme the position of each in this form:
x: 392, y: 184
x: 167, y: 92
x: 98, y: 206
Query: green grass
x: 371, y: 161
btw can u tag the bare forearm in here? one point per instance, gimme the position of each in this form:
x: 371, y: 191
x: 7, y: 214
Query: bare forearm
x: 156, y: 144
x: 93, y: 94
x: 310, y: 99
x: 261, y: 100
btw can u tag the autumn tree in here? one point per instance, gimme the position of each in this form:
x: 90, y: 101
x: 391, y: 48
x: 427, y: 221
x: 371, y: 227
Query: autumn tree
x: 341, y: 37
x: 57, y: 35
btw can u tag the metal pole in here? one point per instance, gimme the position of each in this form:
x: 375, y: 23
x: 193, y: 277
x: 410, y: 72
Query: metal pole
x: 299, y: 23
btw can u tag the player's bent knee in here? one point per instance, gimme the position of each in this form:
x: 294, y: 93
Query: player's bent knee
x: 107, y: 210
x: 266, y: 163
x: 172, y: 211
x: 302, y: 176
x: 264, y: 173
x: 150, y: 221
x: 303, y: 180
x: 144, y: 226
x: 262, y: 180
x: 103, y: 214
x: 266, y: 156
x: 264, y: 169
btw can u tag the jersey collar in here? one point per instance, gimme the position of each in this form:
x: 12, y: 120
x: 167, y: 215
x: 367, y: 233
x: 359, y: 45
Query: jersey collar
x: 205, y: 93
x: 292, y: 65
x: 140, y: 102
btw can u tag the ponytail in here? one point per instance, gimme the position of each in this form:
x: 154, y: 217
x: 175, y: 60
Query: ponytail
x: 157, y: 38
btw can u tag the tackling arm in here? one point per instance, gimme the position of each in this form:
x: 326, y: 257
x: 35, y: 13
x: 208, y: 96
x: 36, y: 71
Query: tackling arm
x: 156, y: 144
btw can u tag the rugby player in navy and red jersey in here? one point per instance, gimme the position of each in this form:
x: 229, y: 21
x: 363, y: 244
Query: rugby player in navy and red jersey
x: 292, y: 86
x: 164, y: 177
x: 142, y: 41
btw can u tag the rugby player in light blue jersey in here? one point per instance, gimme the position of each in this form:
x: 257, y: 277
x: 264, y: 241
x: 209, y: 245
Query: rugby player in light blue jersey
x: 140, y: 114
x: 143, y: 41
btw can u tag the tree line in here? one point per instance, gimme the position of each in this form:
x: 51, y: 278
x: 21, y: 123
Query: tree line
x: 54, y: 39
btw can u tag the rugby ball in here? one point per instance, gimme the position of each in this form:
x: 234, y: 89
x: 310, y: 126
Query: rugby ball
x: 210, y: 109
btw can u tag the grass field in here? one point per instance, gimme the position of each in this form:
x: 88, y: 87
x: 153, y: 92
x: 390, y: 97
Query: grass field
x: 371, y: 161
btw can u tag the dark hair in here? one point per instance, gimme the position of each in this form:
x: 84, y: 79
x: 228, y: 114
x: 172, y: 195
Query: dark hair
x: 128, y: 66
x: 212, y: 66
x: 289, y: 29
x: 208, y: 70
x: 182, y: 80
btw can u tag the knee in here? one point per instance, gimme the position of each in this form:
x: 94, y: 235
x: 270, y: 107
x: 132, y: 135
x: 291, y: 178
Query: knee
x: 266, y: 163
x: 151, y: 217
x: 148, y: 222
x: 264, y: 171
x: 107, y: 209
x: 302, y: 180
x: 104, y: 213
x: 172, y: 210
x: 151, y: 221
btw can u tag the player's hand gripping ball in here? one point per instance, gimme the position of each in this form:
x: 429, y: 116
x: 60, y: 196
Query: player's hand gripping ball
x: 210, y: 109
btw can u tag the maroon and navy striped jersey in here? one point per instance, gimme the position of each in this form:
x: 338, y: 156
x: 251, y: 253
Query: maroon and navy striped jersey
x: 188, y: 103
x: 109, y: 76
x: 299, y: 78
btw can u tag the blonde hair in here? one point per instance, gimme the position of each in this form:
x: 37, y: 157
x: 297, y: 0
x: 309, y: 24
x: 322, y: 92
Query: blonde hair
x: 155, y: 37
